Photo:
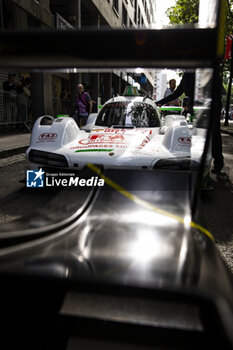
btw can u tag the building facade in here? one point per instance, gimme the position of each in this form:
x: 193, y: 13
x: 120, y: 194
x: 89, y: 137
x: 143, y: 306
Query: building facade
x: 36, y: 95
x: 104, y: 14
x: 161, y: 84
x: 46, y: 88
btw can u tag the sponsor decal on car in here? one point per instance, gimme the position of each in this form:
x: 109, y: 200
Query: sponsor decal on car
x: 98, y: 146
x: 186, y: 141
x: 47, y: 137
x: 103, y: 138
x: 144, y: 142
x: 112, y: 137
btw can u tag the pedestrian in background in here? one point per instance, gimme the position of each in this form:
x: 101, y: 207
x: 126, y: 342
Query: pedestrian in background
x: 23, y: 101
x: 12, y: 88
x: 65, y: 99
x: 84, y: 105
x: 169, y: 91
x: 187, y: 86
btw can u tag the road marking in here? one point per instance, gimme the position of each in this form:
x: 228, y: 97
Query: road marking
x: 144, y: 203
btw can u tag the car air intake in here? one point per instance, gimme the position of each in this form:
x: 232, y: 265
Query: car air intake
x: 176, y: 164
x: 47, y: 158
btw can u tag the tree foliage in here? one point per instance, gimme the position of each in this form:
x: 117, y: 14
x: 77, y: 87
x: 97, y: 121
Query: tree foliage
x: 184, y: 11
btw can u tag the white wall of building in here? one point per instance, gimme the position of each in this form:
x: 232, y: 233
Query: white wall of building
x: 162, y: 77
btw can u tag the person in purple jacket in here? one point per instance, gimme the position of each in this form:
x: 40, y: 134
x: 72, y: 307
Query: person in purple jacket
x: 83, y: 104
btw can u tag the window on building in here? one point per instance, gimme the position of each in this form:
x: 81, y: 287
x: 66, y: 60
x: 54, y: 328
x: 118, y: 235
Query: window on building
x: 33, y: 22
x: 135, y: 11
x: 141, y: 21
x: 116, y: 6
x: 138, y: 17
x: 124, y: 16
x: 147, y: 15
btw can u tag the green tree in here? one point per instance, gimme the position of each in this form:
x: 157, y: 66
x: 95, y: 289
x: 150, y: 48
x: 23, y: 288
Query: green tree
x: 184, y: 11
x: 228, y: 30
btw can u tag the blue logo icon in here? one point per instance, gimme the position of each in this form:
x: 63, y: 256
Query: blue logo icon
x: 35, y: 178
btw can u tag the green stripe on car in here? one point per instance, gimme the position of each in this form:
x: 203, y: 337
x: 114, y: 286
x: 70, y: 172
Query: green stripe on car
x: 94, y: 150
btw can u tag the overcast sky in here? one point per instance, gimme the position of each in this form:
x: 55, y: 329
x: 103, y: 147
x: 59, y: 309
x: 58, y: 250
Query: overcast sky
x: 161, y: 6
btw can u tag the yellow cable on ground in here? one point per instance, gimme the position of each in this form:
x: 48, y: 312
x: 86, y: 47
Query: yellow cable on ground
x: 145, y: 204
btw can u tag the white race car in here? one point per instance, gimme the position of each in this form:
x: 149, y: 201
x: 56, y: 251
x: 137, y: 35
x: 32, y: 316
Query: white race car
x: 126, y: 133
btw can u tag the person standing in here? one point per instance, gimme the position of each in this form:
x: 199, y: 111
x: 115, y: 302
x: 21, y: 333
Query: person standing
x: 187, y: 86
x: 83, y: 104
x: 169, y: 91
x: 12, y: 88
x: 65, y: 99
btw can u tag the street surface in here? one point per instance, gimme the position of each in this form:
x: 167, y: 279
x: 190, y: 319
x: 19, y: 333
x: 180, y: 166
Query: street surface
x: 218, y: 204
x: 17, y: 201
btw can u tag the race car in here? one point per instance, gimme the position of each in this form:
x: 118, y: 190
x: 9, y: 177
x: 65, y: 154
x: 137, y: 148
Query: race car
x: 127, y: 132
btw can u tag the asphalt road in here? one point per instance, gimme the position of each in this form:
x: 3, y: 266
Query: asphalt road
x: 218, y: 204
x: 16, y: 200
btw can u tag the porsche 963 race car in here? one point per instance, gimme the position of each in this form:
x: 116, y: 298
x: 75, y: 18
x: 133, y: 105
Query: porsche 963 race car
x: 127, y: 132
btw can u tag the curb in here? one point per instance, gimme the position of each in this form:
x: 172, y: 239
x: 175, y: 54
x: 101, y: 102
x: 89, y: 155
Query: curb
x: 225, y: 131
x: 12, y: 152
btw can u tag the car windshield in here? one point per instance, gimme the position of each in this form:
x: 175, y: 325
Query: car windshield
x: 128, y: 113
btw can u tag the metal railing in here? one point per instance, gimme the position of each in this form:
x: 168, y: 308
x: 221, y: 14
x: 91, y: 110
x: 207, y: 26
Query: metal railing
x: 13, y: 108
